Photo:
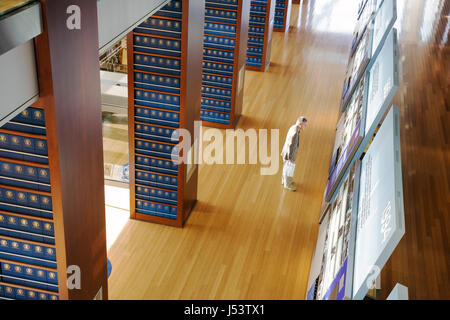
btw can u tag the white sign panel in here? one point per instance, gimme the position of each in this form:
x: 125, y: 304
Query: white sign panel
x: 380, y: 224
x: 383, y: 23
x: 383, y: 83
x: 400, y: 292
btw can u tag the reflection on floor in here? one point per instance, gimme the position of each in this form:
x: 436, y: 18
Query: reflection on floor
x: 115, y: 146
x: 117, y: 200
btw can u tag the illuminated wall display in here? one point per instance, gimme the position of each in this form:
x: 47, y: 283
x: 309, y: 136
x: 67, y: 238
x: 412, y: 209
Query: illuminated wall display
x: 348, y: 132
x: 317, y: 259
x: 368, y: 45
x: 381, y: 82
x: 356, y: 67
x: 365, y: 13
x: 383, y: 22
x: 339, y: 240
x: 381, y: 218
x: 365, y: 220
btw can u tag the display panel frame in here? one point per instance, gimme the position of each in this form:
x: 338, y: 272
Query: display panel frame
x: 352, y: 78
x: 380, y: 23
x: 341, y: 287
x: 345, y: 160
x: 383, y: 22
x: 344, y: 286
x: 363, y: 22
x: 316, y: 260
x: 388, y: 58
x: 389, y: 219
x: 388, y: 55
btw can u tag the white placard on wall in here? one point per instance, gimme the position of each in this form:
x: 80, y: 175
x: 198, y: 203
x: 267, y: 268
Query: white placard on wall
x: 384, y: 21
x: 380, y: 224
x: 383, y: 83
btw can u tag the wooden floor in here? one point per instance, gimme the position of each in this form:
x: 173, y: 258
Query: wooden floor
x: 115, y: 139
x: 9, y: 5
x: 248, y: 238
x: 422, y: 260
x: 115, y: 144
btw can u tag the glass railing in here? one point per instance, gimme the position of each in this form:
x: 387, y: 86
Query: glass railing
x: 8, y: 6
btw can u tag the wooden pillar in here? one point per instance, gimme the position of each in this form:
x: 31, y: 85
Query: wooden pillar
x: 69, y: 81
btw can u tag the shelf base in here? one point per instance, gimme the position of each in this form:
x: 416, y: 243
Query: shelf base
x: 221, y: 125
x: 259, y: 69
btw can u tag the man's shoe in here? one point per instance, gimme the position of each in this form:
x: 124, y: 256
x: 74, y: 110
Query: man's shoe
x: 290, y: 187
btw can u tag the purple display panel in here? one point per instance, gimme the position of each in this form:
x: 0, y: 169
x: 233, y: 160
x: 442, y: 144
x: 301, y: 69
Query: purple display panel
x: 337, y: 288
x: 311, y: 293
x: 344, y: 161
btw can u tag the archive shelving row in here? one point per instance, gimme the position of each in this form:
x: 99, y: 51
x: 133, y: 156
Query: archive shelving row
x: 224, y: 57
x: 28, y: 267
x: 164, y: 54
x: 282, y: 15
x: 262, y: 16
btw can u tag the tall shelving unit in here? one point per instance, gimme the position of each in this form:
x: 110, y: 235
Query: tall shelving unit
x: 164, y: 55
x: 262, y: 16
x: 52, y: 205
x: 282, y: 15
x: 28, y: 264
x: 224, y: 58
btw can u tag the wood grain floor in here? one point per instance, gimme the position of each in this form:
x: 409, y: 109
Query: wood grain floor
x: 248, y: 238
x: 115, y: 139
x: 8, y: 5
x: 422, y: 260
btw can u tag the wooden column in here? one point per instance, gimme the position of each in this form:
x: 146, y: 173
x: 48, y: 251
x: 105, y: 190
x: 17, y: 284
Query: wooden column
x: 69, y: 82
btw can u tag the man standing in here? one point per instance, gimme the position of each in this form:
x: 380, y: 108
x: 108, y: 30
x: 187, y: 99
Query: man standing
x: 289, y: 152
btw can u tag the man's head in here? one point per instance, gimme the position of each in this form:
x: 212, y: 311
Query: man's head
x: 302, y: 123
